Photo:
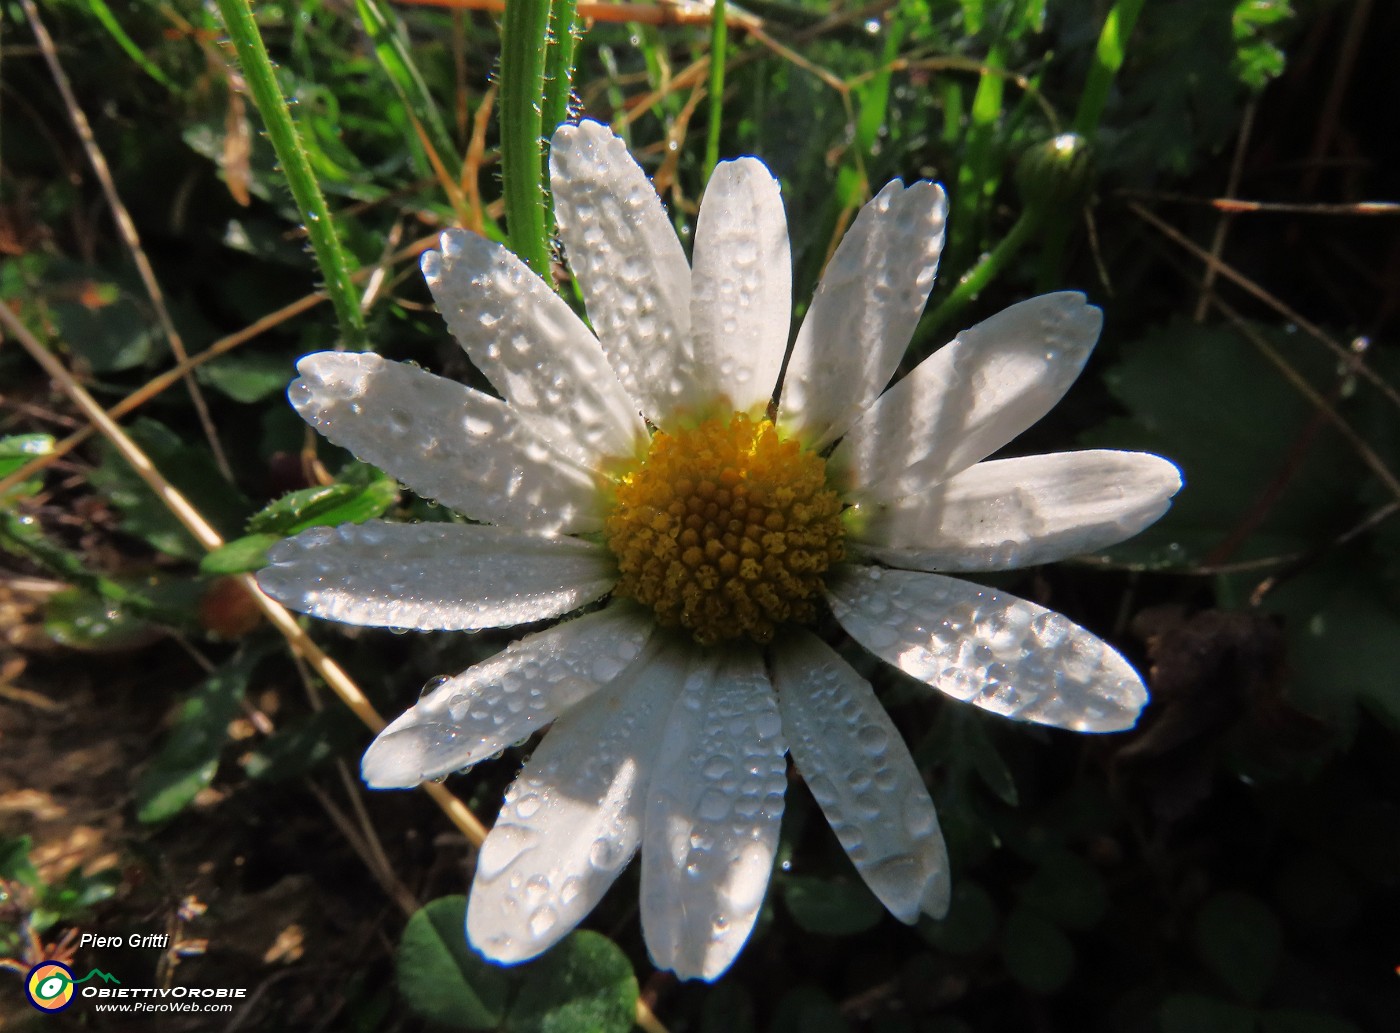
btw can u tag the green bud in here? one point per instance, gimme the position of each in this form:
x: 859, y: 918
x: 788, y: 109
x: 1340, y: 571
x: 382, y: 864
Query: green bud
x: 1057, y: 173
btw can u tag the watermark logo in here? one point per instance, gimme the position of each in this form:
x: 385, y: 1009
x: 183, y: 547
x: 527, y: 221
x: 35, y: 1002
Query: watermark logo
x: 49, y: 985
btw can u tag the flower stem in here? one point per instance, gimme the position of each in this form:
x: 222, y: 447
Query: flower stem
x: 719, y: 44
x: 559, y: 63
x: 296, y: 167
x: 523, y: 43
x: 1108, y: 59
x: 987, y: 269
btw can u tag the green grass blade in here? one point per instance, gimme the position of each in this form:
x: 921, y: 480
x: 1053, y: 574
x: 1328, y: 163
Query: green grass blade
x: 104, y: 14
x: 384, y: 30
x: 1108, y: 58
x: 719, y: 46
x: 291, y: 155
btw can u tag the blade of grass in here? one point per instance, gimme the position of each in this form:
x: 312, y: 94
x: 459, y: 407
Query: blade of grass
x: 104, y: 14
x: 296, y: 166
x: 1109, y: 55
x: 523, y: 35
x: 386, y: 35
x: 719, y: 42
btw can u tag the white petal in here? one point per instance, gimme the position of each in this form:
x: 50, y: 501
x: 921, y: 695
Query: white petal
x: 713, y: 811
x: 1019, y: 512
x: 532, y: 348
x: 985, y: 647
x: 434, y: 577
x: 741, y: 286
x: 447, y: 442
x: 969, y: 398
x: 629, y: 264
x: 864, y: 311
x: 862, y: 776
x: 500, y: 701
x: 573, y: 819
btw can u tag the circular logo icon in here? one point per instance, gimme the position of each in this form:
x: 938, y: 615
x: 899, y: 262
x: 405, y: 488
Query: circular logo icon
x: 49, y: 986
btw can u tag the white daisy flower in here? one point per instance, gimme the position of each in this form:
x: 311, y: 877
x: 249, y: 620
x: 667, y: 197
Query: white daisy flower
x: 661, y: 475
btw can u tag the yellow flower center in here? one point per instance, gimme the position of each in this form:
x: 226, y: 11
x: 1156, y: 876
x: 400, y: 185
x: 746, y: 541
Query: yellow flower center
x: 727, y: 530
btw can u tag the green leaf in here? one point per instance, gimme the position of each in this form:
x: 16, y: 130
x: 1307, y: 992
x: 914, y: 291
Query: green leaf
x: 830, y: 907
x: 971, y: 922
x: 583, y: 985
x: 79, y: 619
x: 189, y: 467
x: 1193, y: 1013
x: 440, y: 977
x: 247, y: 376
x: 1037, y: 954
x: 14, y: 861
x: 330, y: 505
x: 298, y: 747
x: 19, y: 449
x: 240, y: 555
x: 1067, y: 890
x: 1238, y: 938
x: 1183, y: 387
x: 190, y: 755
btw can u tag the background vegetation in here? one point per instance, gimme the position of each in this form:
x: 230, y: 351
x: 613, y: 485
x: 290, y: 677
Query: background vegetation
x: 174, y: 758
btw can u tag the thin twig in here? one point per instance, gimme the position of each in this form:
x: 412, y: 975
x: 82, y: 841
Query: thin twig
x: 1240, y: 280
x: 1222, y: 226
x: 126, y: 227
x: 297, y: 638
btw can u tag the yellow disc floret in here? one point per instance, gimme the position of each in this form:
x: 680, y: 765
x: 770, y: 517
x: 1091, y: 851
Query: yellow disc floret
x: 726, y: 530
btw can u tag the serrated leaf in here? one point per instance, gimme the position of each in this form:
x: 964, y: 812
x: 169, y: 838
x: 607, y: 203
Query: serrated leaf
x: 1037, y: 954
x: 830, y: 907
x: 329, y: 505
x: 189, y: 756
x: 440, y: 977
x: 585, y: 984
x: 240, y: 555
x: 1238, y: 938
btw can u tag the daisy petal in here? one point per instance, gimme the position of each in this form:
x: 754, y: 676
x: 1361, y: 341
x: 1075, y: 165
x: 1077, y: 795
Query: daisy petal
x: 712, y: 817
x: 741, y: 286
x: 500, y: 701
x: 985, y: 647
x: 532, y: 347
x: 969, y: 398
x: 463, y: 448
x: 630, y: 266
x: 434, y: 577
x: 862, y: 776
x: 864, y: 311
x: 573, y: 819
x: 1019, y: 512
